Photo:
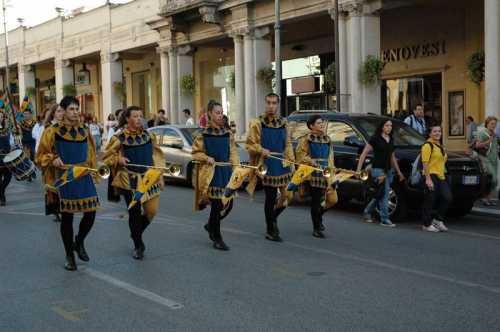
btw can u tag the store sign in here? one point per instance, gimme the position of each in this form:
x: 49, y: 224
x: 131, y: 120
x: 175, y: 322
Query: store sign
x: 414, y: 52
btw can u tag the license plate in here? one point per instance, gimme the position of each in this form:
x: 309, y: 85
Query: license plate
x: 470, y: 180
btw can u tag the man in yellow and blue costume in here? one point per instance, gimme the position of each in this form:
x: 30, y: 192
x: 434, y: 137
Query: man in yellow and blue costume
x: 139, y: 185
x: 213, y: 145
x: 268, y: 135
x: 62, y: 145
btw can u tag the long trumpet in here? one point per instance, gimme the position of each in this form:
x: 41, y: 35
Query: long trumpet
x: 362, y: 175
x: 261, y: 169
x: 171, y: 169
x: 102, y: 171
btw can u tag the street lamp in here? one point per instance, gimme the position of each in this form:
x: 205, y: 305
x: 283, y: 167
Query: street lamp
x: 337, y: 58
x: 277, y: 48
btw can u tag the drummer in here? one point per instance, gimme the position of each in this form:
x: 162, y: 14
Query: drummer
x: 28, y: 141
x: 6, y: 141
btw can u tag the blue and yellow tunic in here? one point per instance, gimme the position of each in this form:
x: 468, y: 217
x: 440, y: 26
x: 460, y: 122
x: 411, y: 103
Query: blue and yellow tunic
x: 219, y: 144
x: 139, y: 147
x: 315, y: 147
x: 27, y: 131
x: 4, y: 144
x: 74, y: 145
x: 270, y: 132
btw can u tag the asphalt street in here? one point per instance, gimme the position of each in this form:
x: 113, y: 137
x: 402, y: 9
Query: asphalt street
x: 362, y: 277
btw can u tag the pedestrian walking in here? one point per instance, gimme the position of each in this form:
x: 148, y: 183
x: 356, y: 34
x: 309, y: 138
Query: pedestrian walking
x: 486, y: 147
x: 96, y: 132
x: 417, y: 120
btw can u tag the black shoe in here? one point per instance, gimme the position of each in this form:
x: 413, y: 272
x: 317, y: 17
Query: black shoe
x: 220, y: 245
x: 318, y: 233
x: 276, y: 229
x: 322, y: 227
x: 274, y: 237
x: 80, y: 250
x: 210, y: 235
x: 138, y: 254
x: 57, y: 218
x: 2, y: 200
x: 70, y: 263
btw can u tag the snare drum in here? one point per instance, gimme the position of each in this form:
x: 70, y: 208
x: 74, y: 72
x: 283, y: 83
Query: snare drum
x: 19, y: 164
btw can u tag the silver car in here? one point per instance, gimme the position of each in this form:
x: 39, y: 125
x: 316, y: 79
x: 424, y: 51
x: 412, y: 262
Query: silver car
x: 176, y: 143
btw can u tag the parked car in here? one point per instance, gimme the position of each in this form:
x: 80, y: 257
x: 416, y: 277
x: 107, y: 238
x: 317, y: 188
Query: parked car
x: 350, y: 133
x: 176, y: 143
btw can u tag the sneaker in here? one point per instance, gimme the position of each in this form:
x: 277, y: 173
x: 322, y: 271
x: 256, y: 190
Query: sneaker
x: 439, y: 225
x: 387, y: 223
x: 430, y: 228
x: 367, y: 218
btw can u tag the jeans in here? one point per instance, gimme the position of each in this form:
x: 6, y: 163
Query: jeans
x: 440, y: 194
x: 383, y: 202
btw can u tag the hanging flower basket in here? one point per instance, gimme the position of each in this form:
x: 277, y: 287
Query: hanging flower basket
x: 266, y: 75
x: 371, y: 70
x: 330, y: 83
x: 188, y: 85
x: 30, y: 91
x: 475, y: 67
x: 69, y: 90
x: 120, y: 90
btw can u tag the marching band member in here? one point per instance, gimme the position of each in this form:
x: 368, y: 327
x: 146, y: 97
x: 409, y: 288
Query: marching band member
x: 5, y: 147
x: 28, y: 141
x: 268, y: 136
x: 315, y: 149
x: 213, y: 145
x: 135, y: 145
x: 64, y: 144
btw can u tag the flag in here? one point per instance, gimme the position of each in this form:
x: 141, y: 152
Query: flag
x: 150, y: 178
x: 26, y: 104
x: 302, y: 174
x: 239, y: 175
x: 71, y: 174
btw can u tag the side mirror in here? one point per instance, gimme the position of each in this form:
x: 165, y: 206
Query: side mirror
x: 354, y: 141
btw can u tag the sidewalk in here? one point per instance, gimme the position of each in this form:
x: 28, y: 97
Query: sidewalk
x: 480, y: 209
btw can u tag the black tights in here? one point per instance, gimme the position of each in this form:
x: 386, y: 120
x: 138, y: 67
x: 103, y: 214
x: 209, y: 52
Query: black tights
x: 317, y: 196
x: 215, y: 217
x: 67, y: 229
x: 270, y: 209
x: 137, y: 222
x: 5, y: 177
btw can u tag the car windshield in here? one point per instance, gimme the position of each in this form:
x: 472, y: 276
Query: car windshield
x: 188, y: 133
x: 403, y: 134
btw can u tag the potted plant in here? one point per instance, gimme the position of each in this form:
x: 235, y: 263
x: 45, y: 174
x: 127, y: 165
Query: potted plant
x: 330, y: 83
x: 188, y: 85
x: 119, y: 90
x: 475, y: 67
x: 69, y: 90
x: 30, y: 91
x: 266, y: 75
x: 371, y: 70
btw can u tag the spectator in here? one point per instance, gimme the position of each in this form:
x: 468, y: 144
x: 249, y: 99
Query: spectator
x: 96, y: 132
x: 161, y: 119
x: 38, y: 128
x: 487, y: 148
x: 383, y: 166
x: 434, y: 159
x: 417, y: 120
x: 189, y: 118
x: 110, y: 126
x: 471, y: 130
x: 203, y: 121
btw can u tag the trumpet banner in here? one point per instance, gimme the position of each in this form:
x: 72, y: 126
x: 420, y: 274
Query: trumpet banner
x: 331, y: 197
x: 150, y: 178
x: 235, y: 182
x: 71, y: 174
x: 302, y: 174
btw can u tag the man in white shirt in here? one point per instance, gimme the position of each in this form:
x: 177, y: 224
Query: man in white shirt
x: 416, y: 120
x: 189, y: 118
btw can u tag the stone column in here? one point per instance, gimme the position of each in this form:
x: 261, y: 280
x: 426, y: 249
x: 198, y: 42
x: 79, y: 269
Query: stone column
x: 492, y: 54
x: 343, y: 73
x: 354, y: 59
x: 111, y: 73
x: 250, y: 78
x: 174, y: 85
x: 64, y: 76
x: 26, y: 79
x: 184, y: 68
x: 239, y: 86
x: 262, y: 56
x: 370, y: 45
x: 165, y: 80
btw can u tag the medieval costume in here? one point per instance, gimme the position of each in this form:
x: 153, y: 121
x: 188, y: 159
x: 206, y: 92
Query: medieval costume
x: 73, y: 144
x: 270, y: 132
x: 140, y: 148
x: 27, y: 139
x: 211, y: 180
x: 5, y: 147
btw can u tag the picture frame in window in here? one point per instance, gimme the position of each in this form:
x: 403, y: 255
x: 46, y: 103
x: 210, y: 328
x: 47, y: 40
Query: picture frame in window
x: 456, y: 113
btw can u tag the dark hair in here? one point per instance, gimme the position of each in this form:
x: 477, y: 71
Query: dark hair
x: 470, y: 118
x: 118, y: 111
x: 68, y: 100
x: 126, y: 114
x: 418, y: 104
x: 27, y: 110
x: 111, y: 115
x: 187, y: 111
x: 161, y: 111
x: 380, y: 128
x: 312, y: 120
x: 273, y: 95
x: 212, y: 104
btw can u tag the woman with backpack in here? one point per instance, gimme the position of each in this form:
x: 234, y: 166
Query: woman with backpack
x: 434, y: 159
x: 383, y: 166
x: 486, y: 147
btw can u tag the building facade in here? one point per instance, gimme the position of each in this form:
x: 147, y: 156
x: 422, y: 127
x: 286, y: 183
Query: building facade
x: 178, y: 54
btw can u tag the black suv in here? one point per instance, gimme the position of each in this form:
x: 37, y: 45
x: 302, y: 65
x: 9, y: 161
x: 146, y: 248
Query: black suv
x: 349, y: 134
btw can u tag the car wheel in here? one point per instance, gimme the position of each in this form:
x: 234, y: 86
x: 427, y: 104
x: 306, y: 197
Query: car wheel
x: 397, y: 206
x: 462, y: 209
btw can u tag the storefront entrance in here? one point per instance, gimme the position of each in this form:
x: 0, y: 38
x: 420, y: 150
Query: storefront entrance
x: 401, y: 95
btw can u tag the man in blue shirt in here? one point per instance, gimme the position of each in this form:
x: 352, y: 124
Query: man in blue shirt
x: 416, y: 120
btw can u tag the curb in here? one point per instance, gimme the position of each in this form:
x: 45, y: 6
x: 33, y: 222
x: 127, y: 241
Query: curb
x: 485, y: 212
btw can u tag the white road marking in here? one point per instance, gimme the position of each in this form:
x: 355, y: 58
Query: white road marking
x: 134, y: 290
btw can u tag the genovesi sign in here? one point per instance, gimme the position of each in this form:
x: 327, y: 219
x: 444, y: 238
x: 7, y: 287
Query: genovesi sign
x: 414, y: 52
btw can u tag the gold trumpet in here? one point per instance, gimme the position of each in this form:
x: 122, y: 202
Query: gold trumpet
x: 362, y: 175
x: 102, y: 171
x: 326, y: 172
x: 171, y: 169
x: 261, y: 169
